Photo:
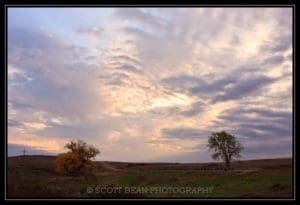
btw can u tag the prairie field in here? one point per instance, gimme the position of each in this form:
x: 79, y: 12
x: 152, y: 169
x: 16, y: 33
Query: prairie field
x: 35, y: 177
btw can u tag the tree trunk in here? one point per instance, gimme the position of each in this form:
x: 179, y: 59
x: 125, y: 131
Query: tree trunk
x: 227, y: 164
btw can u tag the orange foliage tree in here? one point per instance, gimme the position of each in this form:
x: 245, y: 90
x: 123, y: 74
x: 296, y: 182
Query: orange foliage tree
x: 77, y: 160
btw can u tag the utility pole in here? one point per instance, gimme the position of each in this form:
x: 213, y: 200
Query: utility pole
x: 24, y: 151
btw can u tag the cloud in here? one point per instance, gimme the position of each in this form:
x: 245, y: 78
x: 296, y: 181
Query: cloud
x: 196, y: 108
x: 184, y: 133
x: 94, y: 31
x: 26, y: 38
x: 85, y: 129
x: 17, y: 105
x: 28, y: 46
x: 266, y: 130
x: 213, y: 87
x: 282, y: 44
x: 129, y: 68
x: 16, y: 149
x: 280, y: 148
x: 62, y: 100
x: 116, y: 79
x: 48, y: 90
x: 152, y: 79
x: 126, y: 59
x: 258, y: 123
x: 244, y: 87
x: 182, y: 83
x: 137, y: 15
x: 139, y: 33
x: 240, y: 84
x: 13, y: 123
x: 274, y: 60
x: 262, y: 114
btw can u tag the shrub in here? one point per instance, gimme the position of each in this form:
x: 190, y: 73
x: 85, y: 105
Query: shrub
x: 77, y: 160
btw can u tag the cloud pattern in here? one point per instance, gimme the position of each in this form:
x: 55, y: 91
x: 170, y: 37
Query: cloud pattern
x: 146, y: 84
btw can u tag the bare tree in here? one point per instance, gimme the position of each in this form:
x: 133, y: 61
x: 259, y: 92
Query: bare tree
x: 224, y: 146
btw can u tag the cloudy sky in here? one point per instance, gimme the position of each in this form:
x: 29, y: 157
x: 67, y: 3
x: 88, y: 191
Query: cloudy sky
x: 150, y: 84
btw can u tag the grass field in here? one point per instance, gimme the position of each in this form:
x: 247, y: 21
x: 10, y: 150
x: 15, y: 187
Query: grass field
x: 34, y: 176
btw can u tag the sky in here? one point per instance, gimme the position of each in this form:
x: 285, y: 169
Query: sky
x: 150, y: 84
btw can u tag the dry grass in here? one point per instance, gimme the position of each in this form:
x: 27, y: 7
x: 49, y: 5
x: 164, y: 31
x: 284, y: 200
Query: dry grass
x: 34, y: 176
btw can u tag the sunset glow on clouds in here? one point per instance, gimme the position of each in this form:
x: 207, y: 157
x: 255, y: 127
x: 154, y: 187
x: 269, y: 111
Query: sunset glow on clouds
x: 150, y: 84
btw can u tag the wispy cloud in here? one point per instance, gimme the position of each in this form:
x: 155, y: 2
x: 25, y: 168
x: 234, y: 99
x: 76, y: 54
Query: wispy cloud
x: 150, y: 82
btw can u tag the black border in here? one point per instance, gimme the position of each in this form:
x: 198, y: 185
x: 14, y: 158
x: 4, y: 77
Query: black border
x: 147, y: 2
x: 121, y: 3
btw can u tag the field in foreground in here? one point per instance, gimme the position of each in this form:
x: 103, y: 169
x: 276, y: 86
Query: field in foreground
x: 34, y: 176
